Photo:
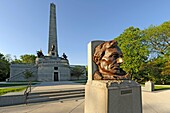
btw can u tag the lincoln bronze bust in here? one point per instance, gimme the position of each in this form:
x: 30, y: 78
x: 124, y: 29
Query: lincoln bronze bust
x: 108, y: 57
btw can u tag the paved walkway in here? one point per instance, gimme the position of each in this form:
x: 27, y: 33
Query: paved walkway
x: 47, y: 107
x: 153, y: 102
x: 53, y: 86
x: 156, y: 102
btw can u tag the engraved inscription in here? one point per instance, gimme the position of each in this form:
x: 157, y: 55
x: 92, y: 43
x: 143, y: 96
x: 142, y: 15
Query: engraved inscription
x: 126, y: 92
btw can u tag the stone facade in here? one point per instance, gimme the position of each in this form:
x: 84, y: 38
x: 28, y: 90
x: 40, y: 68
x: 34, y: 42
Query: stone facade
x: 53, y: 69
x: 17, y: 72
x: 45, y: 69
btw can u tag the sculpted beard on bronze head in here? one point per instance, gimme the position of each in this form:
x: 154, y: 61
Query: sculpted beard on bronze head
x: 108, y: 58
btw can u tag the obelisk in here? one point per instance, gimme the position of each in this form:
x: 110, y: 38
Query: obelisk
x: 52, y: 44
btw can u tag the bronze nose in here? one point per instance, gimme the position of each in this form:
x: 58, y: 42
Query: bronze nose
x: 119, y: 60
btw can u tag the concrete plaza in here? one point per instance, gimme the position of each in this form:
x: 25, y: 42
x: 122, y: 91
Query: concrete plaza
x: 153, y: 102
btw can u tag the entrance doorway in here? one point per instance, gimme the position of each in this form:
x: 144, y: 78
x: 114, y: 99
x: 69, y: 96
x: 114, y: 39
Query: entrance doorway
x: 55, y: 76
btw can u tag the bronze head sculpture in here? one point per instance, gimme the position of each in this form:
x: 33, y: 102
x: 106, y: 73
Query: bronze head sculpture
x: 108, y: 57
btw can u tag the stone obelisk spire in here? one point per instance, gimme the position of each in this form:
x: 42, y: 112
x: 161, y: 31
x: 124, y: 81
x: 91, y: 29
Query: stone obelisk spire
x: 52, y: 44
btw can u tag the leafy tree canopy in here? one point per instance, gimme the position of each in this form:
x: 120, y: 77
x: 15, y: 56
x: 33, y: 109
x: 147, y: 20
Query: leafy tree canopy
x: 4, y: 68
x: 28, y: 58
x: 158, y: 38
x: 28, y: 74
x: 135, y: 51
x: 77, y: 71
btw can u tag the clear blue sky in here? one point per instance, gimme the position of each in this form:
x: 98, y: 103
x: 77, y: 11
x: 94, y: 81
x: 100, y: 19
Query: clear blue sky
x: 24, y: 24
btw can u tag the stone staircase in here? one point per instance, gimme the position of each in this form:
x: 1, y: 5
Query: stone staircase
x: 56, y: 95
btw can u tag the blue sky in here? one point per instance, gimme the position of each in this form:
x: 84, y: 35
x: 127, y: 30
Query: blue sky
x: 24, y: 24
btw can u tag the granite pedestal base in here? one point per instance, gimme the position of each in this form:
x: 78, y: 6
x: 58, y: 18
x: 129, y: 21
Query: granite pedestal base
x: 149, y: 86
x: 103, y: 96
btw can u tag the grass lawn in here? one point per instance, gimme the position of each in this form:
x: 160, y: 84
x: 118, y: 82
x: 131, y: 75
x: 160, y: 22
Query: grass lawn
x: 6, y: 90
x: 14, y: 84
x: 161, y: 87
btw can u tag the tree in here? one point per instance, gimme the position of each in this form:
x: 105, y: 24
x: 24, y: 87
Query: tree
x: 28, y: 74
x: 4, y: 68
x: 2, y: 56
x: 158, y: 38
x: 158, y: 41
x: 156, y: 70
x: 28, y: 58
x: 77, y: 71
x: 16, y: 61
x: 5, y: 61
x: 150, y: 71
x: 87, y: 71
x: 8, y: 57
x: 166, y: 70
x: 135, y: 51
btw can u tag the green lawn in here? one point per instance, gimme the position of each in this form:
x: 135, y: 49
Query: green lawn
x: 14, y: 84
x: 161, y: 87
x: 7, y: 90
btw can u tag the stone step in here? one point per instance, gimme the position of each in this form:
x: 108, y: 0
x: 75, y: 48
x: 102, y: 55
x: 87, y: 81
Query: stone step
x: 56, y: 91
x: 31, y: 96
x: 59, y: 95
x: 60, y: 98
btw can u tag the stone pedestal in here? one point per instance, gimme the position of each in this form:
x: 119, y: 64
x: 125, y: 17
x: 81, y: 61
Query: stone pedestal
x: 122, y: 96
x: 149, y: 86
x: 92, y: 67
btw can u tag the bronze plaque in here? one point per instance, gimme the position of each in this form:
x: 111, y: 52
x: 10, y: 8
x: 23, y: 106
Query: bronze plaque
x: 123, y: 92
